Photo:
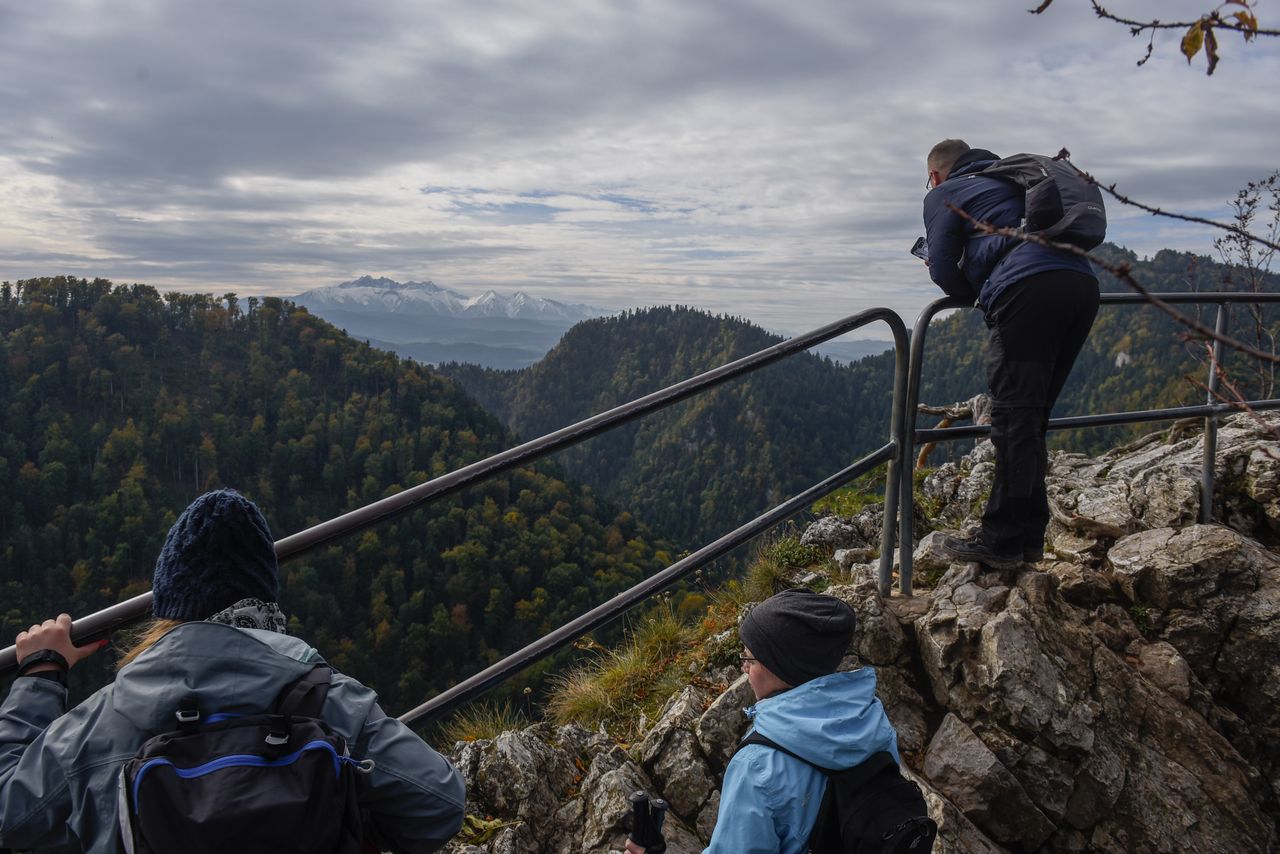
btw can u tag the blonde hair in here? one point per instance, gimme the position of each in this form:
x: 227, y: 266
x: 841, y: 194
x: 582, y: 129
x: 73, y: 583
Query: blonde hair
x: 945, y: 154
x: 147, y: 634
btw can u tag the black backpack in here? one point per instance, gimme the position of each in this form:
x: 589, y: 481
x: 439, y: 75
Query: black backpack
x: 868, y: 809
x: 277, y: 782
x: 1061, y: 205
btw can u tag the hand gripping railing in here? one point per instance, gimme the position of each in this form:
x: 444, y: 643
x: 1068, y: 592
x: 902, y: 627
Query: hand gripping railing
x: 104, y: 622
x: 1210, y: 410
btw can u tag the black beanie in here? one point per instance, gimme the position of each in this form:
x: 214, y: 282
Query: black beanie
x: 218, y: 552
x: 798, y: 634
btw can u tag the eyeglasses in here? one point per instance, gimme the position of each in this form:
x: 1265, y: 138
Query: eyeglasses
x: 928, y: 181
x: 744, y: 660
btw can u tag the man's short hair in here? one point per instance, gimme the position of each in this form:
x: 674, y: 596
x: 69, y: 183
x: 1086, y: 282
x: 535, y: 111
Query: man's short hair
x: 945, y: 154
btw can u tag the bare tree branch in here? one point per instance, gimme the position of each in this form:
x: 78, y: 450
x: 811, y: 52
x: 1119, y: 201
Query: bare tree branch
x: 1215, y: 20
x: 1233, y: 15
x: 1237, y: 399
x: 1136, y: 27
x: 1124, y: 273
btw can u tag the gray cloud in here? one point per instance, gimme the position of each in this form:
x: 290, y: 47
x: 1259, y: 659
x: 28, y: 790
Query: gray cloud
x: 747, y: 156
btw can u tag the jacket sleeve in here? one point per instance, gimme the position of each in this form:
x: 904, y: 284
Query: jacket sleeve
x: 946, y: 233
x: 35, y: 801
x: 414, y: 797
x: 746, y: 821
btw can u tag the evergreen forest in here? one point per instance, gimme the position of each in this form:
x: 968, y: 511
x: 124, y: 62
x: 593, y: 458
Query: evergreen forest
x: 707, y: 465
x: 122, y: 404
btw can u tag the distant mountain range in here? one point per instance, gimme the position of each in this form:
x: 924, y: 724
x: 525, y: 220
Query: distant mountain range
x: 429, y: 323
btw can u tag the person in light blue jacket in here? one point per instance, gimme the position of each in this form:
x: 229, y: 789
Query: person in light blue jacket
x: 792, y: 644
x: 219, y: 636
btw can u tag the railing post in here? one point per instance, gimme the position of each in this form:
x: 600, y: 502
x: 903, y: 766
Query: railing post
x: 1211, y: 421
x: 896, y: 501
x: 906, y: 522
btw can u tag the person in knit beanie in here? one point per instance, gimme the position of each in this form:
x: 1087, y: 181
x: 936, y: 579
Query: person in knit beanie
x: 217, y: 650
x: 218, y: 553
x: 810, y: 716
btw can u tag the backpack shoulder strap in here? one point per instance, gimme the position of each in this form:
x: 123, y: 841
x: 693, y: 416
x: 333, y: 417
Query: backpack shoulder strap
x: 862, y: 773
x: 305, y: 696
x: 765, y: 741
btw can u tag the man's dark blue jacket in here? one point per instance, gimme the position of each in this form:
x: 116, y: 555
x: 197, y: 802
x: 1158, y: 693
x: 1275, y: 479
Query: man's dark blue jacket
x: 970, y: 265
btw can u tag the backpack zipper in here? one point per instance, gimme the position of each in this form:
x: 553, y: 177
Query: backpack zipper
x: 234, y: 761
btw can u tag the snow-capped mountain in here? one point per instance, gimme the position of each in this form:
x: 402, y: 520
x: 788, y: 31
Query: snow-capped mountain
x: 431, y: 323
x: 383, y: 294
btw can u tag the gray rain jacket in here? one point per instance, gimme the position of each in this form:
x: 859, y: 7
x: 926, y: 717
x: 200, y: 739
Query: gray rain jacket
x: 59, y: 769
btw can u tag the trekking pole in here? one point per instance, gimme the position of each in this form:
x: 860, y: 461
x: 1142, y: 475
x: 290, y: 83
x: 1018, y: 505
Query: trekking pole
x: 647, y: 818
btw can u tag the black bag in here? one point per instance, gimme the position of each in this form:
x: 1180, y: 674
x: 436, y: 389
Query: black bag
x: 277, y: 782
x: 1060, y: 204
x: 868, y: 809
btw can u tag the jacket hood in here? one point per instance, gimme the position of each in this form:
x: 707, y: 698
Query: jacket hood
x: 227, y: 669
x: 834, y: 721
x: 973, y: 160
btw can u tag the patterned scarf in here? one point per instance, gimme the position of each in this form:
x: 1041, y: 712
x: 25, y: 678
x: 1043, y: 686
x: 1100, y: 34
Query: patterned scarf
x: 252, y: 614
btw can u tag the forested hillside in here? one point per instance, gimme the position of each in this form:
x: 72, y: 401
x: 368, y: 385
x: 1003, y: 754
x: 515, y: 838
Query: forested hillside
x: 698, y: 470
x: 122, y: 404
x: 707, y: 465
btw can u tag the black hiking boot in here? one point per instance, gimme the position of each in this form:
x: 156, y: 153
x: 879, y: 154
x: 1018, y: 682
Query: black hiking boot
x: 975, y: 550
x: 1032, y: 554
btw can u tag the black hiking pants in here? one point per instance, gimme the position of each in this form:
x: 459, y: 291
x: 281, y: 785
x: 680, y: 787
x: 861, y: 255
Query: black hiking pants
x: 1037, y: 328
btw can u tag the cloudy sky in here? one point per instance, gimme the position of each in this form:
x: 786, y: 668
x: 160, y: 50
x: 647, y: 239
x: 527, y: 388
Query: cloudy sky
x: 763, y: 159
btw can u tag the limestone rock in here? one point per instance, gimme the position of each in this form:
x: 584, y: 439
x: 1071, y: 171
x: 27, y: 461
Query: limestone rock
x: 834, y: 533
x: 956, y: 834
x: 1093, y: 747
x: 929, y: 560
x: 968, y: 773
x: 723, y: 723
x: 879, y: 638
x: 1214, y: 595
x: 518, y: 775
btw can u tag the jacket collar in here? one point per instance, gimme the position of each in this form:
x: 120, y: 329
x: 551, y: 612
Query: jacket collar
x: 973, y: 160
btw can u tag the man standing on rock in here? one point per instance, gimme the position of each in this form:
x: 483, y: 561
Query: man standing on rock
x: 792, y: 644
x: 1039, y: 304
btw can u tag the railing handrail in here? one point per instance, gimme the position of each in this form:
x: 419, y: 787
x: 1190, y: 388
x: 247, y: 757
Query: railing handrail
x: 108, y: 620
x: 893, y: 453
x: 1211, y: 409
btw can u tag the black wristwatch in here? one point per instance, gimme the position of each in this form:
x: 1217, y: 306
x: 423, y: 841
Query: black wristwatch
x: 42, y: 656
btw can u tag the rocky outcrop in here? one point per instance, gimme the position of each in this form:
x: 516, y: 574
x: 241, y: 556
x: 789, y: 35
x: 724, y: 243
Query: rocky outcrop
x: 1121, y: 696
x: 1212, y: 598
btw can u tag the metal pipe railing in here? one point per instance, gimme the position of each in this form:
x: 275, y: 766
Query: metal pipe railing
x: 1211, y: 410
x: 117, y: 616
x: 494, y: 675
x: 893, y: 453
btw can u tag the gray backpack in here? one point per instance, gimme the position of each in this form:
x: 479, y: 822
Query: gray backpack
x: 1060, y: 204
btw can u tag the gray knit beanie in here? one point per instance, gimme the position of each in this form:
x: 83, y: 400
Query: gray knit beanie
x: 798, y: 634
x: 218, y: 552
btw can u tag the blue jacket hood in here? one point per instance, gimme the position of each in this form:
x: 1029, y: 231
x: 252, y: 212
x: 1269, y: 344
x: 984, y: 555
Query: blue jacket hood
x: 835, y: 721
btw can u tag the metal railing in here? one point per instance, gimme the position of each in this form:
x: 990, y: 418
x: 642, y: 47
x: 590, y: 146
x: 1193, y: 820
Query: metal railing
x: 1211, y: 410
x: 110, y: 619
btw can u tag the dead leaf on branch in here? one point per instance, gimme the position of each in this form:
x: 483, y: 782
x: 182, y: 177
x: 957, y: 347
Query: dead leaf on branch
x: 1211, y: 49
x: 1193, y: 40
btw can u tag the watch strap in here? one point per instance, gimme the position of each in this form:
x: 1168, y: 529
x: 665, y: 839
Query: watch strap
x: 42, y: 656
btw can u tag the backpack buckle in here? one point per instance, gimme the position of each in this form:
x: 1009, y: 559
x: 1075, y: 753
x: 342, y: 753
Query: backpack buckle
x: 278, y: 734
x: 188, y: 713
